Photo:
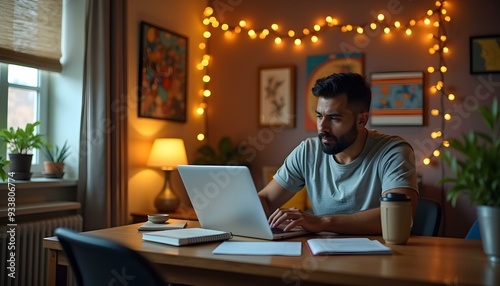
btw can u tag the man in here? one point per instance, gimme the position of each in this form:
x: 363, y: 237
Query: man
x: 346, y: 169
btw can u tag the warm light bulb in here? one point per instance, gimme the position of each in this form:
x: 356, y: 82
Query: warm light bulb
x: 262, y: 36
x: 430, y: 12
x: 317, y: 28
x: 207, y: 34
x: 387, y: 30
x: 433, y: 89
x: 252, y: 34
x: 208, y: 11
x: 413, y: 22
x: 432, y: 51
x: 427, y: 161
x: 443, y: 11
x: 430, y: 35
x: 443, y: 69
x: 200, y: 111
x: 224, y: 27
x: 373, y: 26
x: 207, y: 93
x: 436, y: 24
x: 237, y: 30
x: 277, y: 40
x: 206, y: 78
x: 200, y: 66
x: 206, y: 21
x: 447, y: 116
x: 206, y: 57
x: 328, y: 19
x: 446, y: 143
x: 446, y: 50
x: 348, y: 27
x: 297, y: 42
x: 439, y: 133
x: 408, y: 32
x: 447, y: 18
x: 202, y: 46
x: 215, y: 24
x: 274, y: 27
x: 204, y: 63
x: 442, y: 38
x: 434, y: 135
x: 291, y: 33
x: 243, y: 23
x: 305, y: 31
x: 430, y: 69
x: 200, y: 137
x: 381, y: 17
x: 314, y: 39
x: 397, y: 24
x: 451, y: 96
x: 265, y: 32
x: 359, y: 30
x: 427, y: 21
x: 435, y: 112
x: 438, y: 3
x: 436, y: 153
x: 436, y: 47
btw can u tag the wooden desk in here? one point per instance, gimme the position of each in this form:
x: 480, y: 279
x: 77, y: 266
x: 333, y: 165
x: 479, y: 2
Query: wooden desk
x: 424, y: 261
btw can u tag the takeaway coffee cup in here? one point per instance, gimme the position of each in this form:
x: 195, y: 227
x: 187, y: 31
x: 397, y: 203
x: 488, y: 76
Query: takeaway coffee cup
x: 396, y: 215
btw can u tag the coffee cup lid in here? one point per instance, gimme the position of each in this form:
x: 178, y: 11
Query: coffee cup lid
x: 395, y: 197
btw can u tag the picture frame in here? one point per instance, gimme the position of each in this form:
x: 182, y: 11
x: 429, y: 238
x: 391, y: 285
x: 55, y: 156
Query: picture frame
x: 163, y: 64
x: 484, y: 54
x: 398, y: 98
x: 277, y: 96
x: 319, y: 66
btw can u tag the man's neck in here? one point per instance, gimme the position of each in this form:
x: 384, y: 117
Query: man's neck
x: 353, y: 151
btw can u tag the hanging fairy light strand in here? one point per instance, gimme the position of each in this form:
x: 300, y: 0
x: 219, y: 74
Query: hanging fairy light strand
x: 433, y: 18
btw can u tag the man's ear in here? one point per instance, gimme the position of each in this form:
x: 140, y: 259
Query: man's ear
x: 363, y: 119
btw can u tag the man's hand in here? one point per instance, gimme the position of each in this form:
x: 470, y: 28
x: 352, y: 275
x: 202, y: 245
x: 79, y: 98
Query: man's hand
x: 294, y: 217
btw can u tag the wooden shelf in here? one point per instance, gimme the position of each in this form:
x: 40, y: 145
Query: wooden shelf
x: 39, y: 208
x: 38, y: 183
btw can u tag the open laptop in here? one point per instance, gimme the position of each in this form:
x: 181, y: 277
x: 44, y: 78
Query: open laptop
x: 225, y: 198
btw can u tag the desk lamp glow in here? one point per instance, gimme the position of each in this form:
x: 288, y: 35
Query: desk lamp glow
x: 167, y: 154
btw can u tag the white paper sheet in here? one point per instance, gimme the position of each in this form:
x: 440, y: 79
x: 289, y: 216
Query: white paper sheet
x: 284, y: 248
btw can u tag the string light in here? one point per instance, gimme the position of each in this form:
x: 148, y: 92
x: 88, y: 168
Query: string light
x: 433, y: 18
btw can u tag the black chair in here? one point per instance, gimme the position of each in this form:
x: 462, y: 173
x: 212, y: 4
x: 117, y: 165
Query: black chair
x: 427, y: 218
x: 98, y: 261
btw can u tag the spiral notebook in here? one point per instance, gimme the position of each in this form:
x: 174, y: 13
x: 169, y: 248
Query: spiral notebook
x: 186, y: 236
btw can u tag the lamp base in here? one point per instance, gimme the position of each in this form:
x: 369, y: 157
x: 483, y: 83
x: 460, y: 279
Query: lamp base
x: 166, y: 205
x: 167, y: 201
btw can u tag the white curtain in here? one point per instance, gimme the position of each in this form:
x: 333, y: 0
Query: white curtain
x: 103, y: 179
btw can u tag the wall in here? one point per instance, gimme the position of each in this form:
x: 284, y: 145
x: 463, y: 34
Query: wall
x: 185, y: 18
x: 233, y: 105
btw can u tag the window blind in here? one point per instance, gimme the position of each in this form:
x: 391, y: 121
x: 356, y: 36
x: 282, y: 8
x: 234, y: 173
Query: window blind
x: 30, y: 33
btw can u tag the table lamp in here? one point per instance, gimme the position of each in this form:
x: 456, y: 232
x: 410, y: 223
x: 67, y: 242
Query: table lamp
x: 167, y: 154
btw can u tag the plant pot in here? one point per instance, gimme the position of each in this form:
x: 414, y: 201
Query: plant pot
x: 53, y: 167
x: 20, y: 166
x: 489, y: 227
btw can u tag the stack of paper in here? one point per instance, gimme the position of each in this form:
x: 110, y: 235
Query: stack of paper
x: 329, y: 246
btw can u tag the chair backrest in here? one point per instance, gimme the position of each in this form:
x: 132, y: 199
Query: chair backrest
x: 98, y: 261
x: 474, y: 232
x: 427, y: 218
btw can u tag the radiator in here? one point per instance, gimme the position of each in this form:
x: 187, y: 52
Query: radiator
x: 31, y: 257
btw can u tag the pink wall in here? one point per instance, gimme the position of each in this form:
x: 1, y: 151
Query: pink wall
x: 233, y: 105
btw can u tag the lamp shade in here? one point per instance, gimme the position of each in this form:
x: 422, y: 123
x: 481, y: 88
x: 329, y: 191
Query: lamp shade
x: 167, y: 153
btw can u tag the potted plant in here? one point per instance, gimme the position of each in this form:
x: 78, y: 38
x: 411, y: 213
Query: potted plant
x: 54, y: 165
x: 3, y: 163
x: 20, y: 143
x: 226, y: 154
x: 476, y: 174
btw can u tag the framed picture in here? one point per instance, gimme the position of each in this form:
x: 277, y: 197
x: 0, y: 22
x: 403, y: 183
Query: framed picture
x: 485, y: 54
x: 277, y: 96
x: 397, y: 99
x: 319, y: 66
x: 162, y: 74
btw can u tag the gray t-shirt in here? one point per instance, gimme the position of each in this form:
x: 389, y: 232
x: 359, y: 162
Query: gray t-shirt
x: 386, y: 162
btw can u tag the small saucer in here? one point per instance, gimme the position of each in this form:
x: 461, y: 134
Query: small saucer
x: 53, y: 175
x: 21, y: 176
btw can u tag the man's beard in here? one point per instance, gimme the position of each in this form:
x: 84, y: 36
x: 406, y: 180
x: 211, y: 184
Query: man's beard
x: 341, y: 144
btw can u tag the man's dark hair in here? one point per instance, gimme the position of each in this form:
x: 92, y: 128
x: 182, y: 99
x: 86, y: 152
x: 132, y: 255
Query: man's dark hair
x: 353, y: 85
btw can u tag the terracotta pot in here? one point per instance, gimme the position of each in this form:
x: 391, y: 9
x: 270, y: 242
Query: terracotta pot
x: 53, y: 167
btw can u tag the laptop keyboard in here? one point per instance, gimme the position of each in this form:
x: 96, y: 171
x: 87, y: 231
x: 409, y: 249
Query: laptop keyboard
x: 276, y: 230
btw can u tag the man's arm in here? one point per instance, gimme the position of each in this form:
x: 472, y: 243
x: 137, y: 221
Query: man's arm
x: 273, y: 196
x: 365, y: 222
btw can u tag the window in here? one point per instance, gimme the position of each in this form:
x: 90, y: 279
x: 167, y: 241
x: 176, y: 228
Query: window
x: 23, y: 98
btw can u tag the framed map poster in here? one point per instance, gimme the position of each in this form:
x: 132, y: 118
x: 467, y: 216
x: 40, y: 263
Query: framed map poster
x: 485, y: 54
x: 323, y: 65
